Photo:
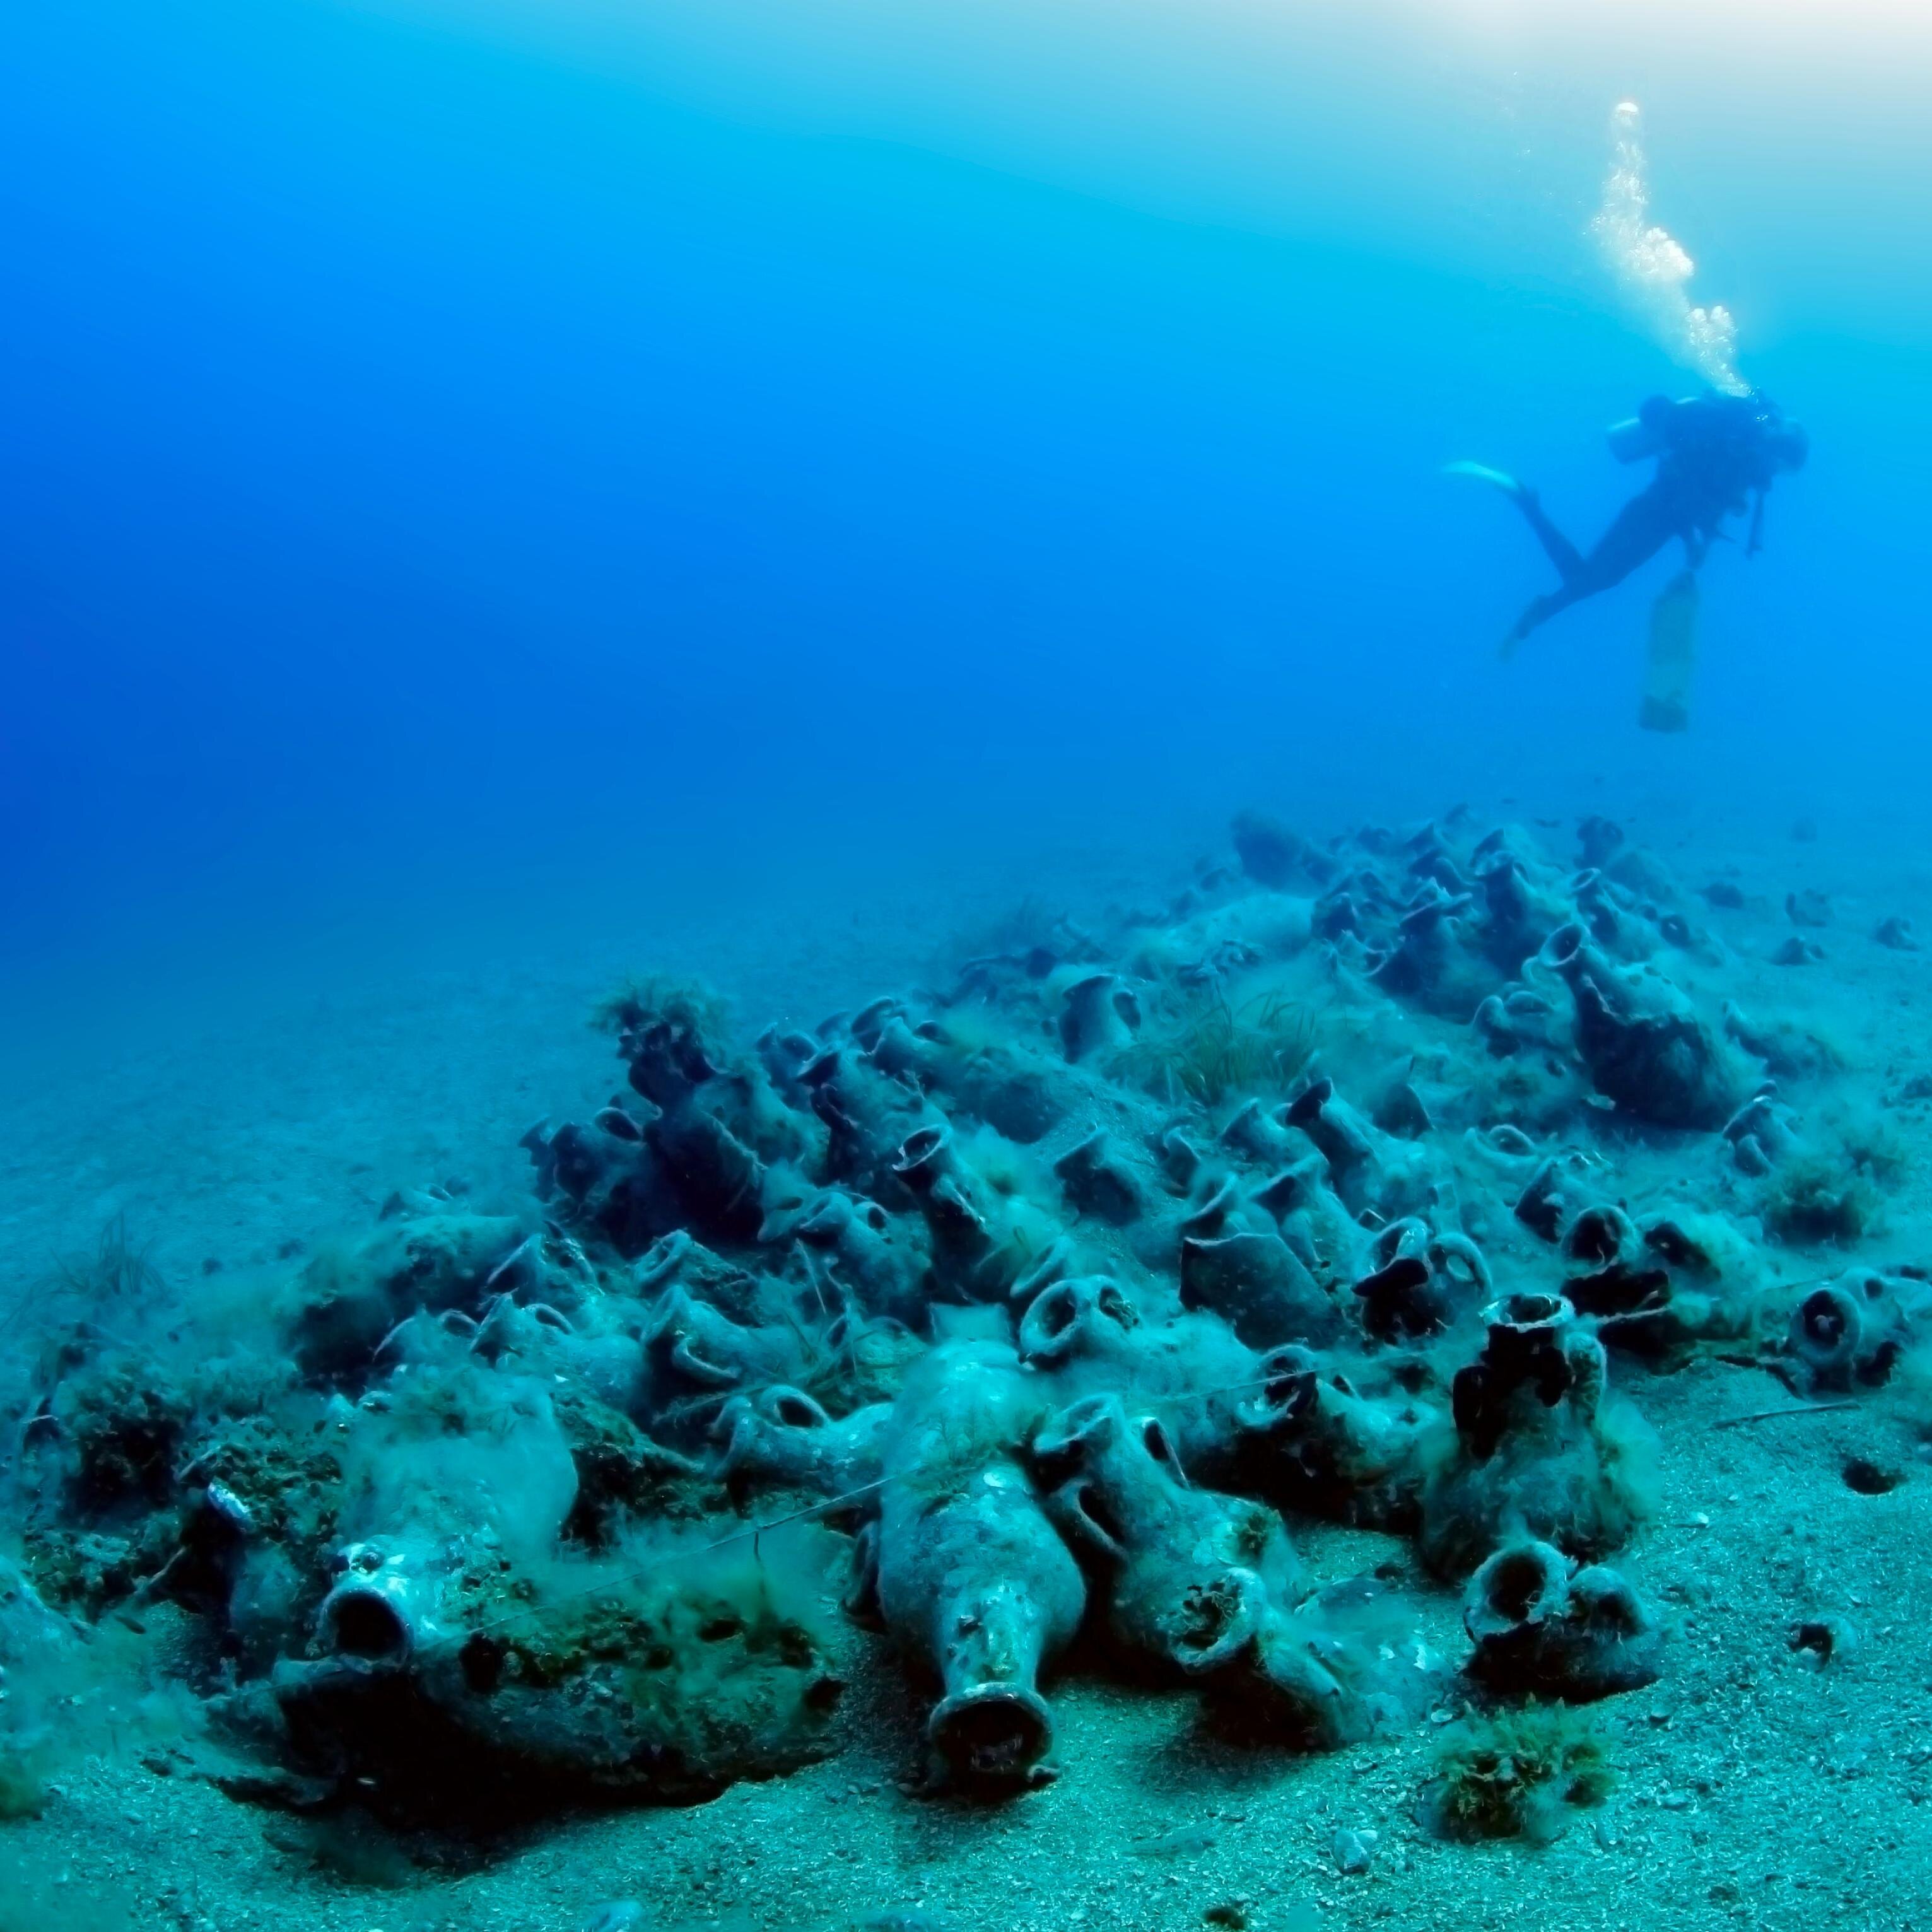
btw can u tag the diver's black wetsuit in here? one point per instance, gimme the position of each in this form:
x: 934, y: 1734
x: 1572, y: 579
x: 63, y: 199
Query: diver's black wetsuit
x: 1715, y: 453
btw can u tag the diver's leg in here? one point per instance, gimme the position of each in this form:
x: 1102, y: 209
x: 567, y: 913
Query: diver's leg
x: 1537, y: 612
x: 1560, y: 550
x: 1641, y: 528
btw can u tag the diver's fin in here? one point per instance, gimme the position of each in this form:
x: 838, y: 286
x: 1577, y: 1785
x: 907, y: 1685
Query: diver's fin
x: 1500, y: 479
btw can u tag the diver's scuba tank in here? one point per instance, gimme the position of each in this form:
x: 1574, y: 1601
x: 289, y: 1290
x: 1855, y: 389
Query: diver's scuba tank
x: 1632, y: 439
x: 1656, y: 426
x: 1671, y: 661
x: 1646, y: 434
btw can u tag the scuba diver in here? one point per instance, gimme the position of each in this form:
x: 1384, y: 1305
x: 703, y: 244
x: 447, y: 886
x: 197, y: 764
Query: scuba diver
x: 1717, y: 454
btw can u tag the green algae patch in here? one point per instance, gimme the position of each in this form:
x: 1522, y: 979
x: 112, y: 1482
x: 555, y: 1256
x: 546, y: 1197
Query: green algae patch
x: 1518, y: 1774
